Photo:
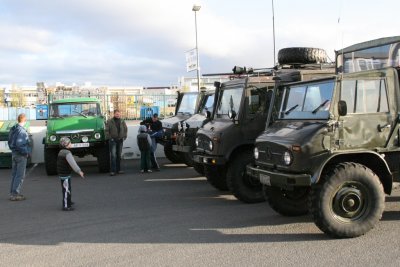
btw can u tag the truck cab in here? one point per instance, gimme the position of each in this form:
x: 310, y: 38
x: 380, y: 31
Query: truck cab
x: 334, y: 149
x: 185, y: 139
x: 185, y: 108
x: 224, y: 145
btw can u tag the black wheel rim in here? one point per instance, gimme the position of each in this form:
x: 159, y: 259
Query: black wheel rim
x: 351, y: 202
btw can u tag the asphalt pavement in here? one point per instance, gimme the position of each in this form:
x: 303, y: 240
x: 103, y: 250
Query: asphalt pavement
x: 171, y: 218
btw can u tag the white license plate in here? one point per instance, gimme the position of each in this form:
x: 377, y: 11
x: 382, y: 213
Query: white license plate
x: 4, y: 147
x: 80, y: 145
x: 265, y: 179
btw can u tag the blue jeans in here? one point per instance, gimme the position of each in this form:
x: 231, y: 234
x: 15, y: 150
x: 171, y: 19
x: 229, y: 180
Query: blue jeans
x: 18, y: 173
x: 153, y: 159
x: 115, y: 151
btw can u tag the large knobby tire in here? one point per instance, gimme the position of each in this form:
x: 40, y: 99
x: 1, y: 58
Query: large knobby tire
x: 301, y: 55
x: 103, y: 159
x: 199, y: 168
x: 243, y: 187
x: 173, y: 156
x: 288, y: 202
x: 348, y: 201
x: 50, y: 160
x: 188, y: 158
x: 216, y: 176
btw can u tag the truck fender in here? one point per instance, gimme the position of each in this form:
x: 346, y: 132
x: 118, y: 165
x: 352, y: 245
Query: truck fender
x: 370, y: 159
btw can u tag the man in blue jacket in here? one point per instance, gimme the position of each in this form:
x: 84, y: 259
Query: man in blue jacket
x: 18, y: 141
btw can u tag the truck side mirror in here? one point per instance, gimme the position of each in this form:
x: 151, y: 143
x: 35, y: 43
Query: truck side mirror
x: 232, y: 114
x: 342, y: 108
x: 207, y: 114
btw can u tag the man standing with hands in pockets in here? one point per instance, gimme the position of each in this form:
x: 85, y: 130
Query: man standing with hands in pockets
x: 116, y: 132
x: 18, y: 141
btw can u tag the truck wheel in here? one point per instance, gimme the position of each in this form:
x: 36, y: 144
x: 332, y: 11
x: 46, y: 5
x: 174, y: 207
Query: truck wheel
x: 301, y: 55
x: 216, y: 176
x: 244, y: 187
x: 188, y: 159
x: 199, y: 168
x: 50, y: 160
x: 287, y: 202
x: 348, y: 201
x: 103, y: 159
x: 173, y: 156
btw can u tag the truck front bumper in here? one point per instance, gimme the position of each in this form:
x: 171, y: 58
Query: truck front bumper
x: 210, y: 160
x: 279, y: 179
x: 184, y: 149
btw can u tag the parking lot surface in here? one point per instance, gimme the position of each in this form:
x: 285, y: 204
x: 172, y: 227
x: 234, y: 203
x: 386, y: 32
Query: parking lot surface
x: 171, y: 218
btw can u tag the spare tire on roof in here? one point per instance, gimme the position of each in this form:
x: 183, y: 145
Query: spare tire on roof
x: 301, y: 55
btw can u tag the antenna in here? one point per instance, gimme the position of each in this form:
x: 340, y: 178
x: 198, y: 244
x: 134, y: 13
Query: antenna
x: 273, y: 28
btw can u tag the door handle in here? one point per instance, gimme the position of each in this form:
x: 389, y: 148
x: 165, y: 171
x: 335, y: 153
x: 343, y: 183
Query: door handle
x: 383, y: 127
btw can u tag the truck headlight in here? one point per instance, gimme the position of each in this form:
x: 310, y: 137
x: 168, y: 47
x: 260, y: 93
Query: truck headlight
x: 210, y: 145
x: 97, y: 135
x: 196, y: 141
x: 85, y: 139
x: 53, y: 138
x: 256, y: 153
x: 287, y: 158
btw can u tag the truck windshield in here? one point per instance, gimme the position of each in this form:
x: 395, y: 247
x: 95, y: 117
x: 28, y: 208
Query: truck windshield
x: 207, y: 104
x: 307, y: 100
x: 230, y: 100
x: 188, y: 103
x: 74, y: 109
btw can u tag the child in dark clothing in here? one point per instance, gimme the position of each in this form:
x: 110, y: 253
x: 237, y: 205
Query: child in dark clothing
x: 65, y: 165
x: 144, y: 144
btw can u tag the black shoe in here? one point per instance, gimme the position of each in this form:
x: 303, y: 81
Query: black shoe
x: 112, y: 173
x: 68, y: 209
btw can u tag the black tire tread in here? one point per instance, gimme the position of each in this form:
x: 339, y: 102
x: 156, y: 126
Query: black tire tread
x: 50, y: 160
x: 316, y: 209
x: 235, y: 182
x: 216, y: 176
x: 301, y: 55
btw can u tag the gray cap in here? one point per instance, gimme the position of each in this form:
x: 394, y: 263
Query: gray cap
x: 142, y: 129
x: 65, y: 141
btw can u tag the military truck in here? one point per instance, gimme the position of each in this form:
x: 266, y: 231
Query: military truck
x: 185, y: 108
x: 185, y: 138
x: 82, y: 121
x: 334, y: 150
x: 225, y: 144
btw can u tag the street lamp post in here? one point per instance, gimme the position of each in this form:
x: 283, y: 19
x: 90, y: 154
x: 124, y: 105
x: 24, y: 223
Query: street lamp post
x: 195, y: 9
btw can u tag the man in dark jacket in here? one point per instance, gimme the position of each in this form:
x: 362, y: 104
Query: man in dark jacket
x: 155, y: 131
x: 116, y: 132
x: 18, y: 141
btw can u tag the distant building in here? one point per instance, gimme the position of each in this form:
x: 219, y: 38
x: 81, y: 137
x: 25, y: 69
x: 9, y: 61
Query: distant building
x: 189, y: 84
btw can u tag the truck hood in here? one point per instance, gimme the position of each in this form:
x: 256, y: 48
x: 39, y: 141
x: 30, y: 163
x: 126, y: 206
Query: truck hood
x: 216, y: 128
x: 291, y: 132
x: 172, y: 122
x: 75, y: 123
x: 196, y: 121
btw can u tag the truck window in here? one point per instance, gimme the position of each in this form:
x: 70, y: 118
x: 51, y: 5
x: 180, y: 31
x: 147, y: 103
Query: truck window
x: 307, y: 101
x: 365, y: 96
x: 230, y: 100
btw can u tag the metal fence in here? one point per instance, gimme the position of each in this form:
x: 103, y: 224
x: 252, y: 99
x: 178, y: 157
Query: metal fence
x: 132, y: 107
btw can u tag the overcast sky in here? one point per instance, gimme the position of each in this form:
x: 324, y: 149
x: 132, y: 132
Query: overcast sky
x: 143, y: 42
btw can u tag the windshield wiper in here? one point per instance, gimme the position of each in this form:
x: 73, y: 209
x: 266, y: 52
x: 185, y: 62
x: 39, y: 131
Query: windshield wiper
x: 291, y: 109
x: 320, y: 106
x: 80, y: 113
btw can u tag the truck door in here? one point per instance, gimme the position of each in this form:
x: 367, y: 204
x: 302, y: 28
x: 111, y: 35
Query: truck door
x: 368, y: 121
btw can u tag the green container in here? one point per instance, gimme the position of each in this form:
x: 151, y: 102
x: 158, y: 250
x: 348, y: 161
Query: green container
x: 5, y: 152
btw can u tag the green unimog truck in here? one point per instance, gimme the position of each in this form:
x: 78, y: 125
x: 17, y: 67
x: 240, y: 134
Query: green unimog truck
x: 225, y: 144
x: 82, y: 121
x: 185, y: 137
x: 334, y: 150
